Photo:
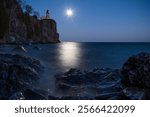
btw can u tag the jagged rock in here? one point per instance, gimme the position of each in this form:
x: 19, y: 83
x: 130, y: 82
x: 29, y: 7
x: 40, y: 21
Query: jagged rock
x: 136, y: 77
x: 17, y: 72
x: 50, y: 97
x: 86, y: 95
x: 19, y: 48
x: 147, y: 94
x: 73, y: 71
x: 72, y: 79
x: 41, y: 92
x: 69, y: 98
x: 17, y: 96
x: 87, y: 84
x: 134, y: 93
x: 31, y: 94
x: 64, y: 86
x: 121, y: 96
x: 106, y: 96
x: 106, y: 88
x: 76, y: 77
x: 136, y: 71
x: 74, y: 98
x: 17, y: 59
x: 14, y: 38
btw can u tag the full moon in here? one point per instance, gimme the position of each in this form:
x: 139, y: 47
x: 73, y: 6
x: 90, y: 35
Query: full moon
x: 69, y: 12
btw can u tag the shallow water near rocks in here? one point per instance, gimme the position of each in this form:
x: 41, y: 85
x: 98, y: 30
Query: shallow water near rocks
x: 58, y: 58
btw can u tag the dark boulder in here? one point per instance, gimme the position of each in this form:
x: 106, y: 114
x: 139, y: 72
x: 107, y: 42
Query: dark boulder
x: 73, y: 71
x: 50, y: 97
x: 136, y: 71
x: 147, y: 94
x: 63, y: 86
x: 17, y: 96
x: 17, y: 72
x: 85, y: 85
x: 107, y: 96
x: 134, y: 93
x: 95, y: 77
x: 74, y: 98
x: 32, y: 94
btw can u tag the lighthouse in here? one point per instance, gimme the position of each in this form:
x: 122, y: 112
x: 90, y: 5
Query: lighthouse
x: 47, y: 15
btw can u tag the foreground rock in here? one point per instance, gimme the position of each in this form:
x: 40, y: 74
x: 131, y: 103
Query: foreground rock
x: 19, y: 48
x: 136, y: 76
x: 132, y: 82
x: 17, y: 75
x: 95, y: 84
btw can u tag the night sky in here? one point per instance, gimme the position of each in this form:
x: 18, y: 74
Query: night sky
x: 99, y: 20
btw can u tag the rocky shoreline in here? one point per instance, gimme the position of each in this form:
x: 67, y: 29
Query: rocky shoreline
x: 131, y: 82
x: 17, y: 75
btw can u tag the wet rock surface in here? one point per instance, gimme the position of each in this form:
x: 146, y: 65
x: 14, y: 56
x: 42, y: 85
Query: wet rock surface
x: 17, y: 75
x: 135, y: 75
x: 19, y: 48
x: 136, y: 71
x: 95, y: 84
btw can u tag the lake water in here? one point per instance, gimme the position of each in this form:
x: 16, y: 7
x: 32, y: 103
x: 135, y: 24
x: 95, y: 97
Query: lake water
x: 58, y: 58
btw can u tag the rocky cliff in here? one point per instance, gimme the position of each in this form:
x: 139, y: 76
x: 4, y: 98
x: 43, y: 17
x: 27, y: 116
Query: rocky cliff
x: 19, y: 27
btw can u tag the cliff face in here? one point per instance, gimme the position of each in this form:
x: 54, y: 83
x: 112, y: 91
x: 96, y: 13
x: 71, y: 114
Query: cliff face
x: 49, y: 30
x: 19, y: 27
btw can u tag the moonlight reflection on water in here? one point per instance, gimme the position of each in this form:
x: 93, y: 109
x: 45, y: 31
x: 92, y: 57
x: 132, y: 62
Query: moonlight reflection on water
x: 69, y: 54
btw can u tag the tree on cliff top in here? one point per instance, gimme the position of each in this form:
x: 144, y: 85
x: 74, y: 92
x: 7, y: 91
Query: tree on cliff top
x: 36, y: 14
x: 28, y: 9
x: 22, y: 4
